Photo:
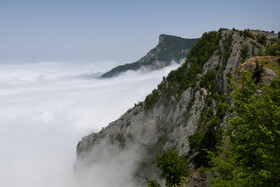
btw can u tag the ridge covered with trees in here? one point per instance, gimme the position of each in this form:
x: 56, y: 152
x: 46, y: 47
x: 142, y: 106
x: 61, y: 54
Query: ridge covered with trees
x: 246, y: 153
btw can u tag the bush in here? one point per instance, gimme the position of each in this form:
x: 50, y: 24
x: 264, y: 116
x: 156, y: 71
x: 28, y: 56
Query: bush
x: 221, y: 109
x: 208, y: 80
x: 257, y: 74
x: 244, y: 51
x: 153, y: 183
x: 172, y: 166
x: 246, y: 33
x: 205, y: 140
x: 273, y: 50
x: 151, y: 99
x: 261, y: 39
x: 121, y: 139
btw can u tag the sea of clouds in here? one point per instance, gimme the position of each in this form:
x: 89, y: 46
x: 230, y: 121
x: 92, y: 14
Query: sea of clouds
x: 46, y: 108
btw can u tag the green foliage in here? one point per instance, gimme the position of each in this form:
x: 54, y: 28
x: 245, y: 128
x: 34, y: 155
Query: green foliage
x: 205, y: 139
x: 181, y: 184
x: 227, y: 49
x: 198, y: 55
x: 251, y: 152
x: 222, y: 109
x: 261, y: 39
x: 153, y: 183
x: 274, y: 49
x: 208, y: 81
x: 222, y: 29
x: 204, y: 48
x: 182, y: 78
x: 257, y: 74
x: 172, y: 166
x: 121, y: 139
x: 151, y: 99
x: 209, y: 133
x: 244, y: 52
x: 246, y: 34
x: 191, y: 102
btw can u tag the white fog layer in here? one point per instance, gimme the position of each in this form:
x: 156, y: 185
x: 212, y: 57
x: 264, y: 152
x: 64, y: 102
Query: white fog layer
x: 46, y: 108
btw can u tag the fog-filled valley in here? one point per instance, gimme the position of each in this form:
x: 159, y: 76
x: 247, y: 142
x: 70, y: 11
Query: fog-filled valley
x: 46, y: 108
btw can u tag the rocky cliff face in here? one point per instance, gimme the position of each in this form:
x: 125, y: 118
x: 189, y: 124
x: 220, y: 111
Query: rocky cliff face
x: 182, y: 105
x: 169, y: 48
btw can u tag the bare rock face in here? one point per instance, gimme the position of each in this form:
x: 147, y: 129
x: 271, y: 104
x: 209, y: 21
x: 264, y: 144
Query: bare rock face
x: 169, y: 123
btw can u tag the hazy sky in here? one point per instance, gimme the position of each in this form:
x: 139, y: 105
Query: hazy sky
x: 117, y: 30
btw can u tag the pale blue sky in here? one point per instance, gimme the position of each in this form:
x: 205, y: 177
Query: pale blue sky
x: 120, y: 30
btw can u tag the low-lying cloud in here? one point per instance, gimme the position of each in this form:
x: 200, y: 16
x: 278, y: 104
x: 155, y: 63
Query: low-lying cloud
x: 103, y: 167
x: 46, y: 108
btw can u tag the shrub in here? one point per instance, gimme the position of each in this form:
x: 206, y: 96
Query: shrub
x: 244, y: 51
x: 274, y: 49
x: 172, y: 166
x: 261, y: 39
x: 246, y: 33
x: 121, y: 139
x: 221, y: 109
x: 205, y: 139
x: 153, y: 183
x: 257, y: 74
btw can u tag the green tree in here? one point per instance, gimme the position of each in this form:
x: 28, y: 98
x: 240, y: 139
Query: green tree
x: 172, y: 167
x: 274, y: 49
x: 261, y: 39
x: 153, y: 183
x: 250, y: 155
x: 257, y: 74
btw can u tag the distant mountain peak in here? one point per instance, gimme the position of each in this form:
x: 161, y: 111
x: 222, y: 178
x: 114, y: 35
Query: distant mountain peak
x: 166, y: 37
x: 170, y: 48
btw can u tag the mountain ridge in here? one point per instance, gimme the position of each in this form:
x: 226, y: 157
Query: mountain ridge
x: 170, y: 48
x: 187, y: 107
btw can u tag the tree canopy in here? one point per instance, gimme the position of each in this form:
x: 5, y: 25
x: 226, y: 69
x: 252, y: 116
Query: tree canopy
x: 250, y: 154
x: 172, y: 167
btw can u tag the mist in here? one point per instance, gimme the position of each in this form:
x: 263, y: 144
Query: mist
x: 46, y: 108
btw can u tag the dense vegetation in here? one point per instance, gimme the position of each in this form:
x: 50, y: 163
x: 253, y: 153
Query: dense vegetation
x: 251, y: 152
x: 172, y: 167
x: 182, y: 78
x: 247, y: 153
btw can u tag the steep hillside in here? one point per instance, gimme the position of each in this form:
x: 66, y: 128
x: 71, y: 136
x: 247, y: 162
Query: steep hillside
x: 188, y: 109
x: 169, y: 48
